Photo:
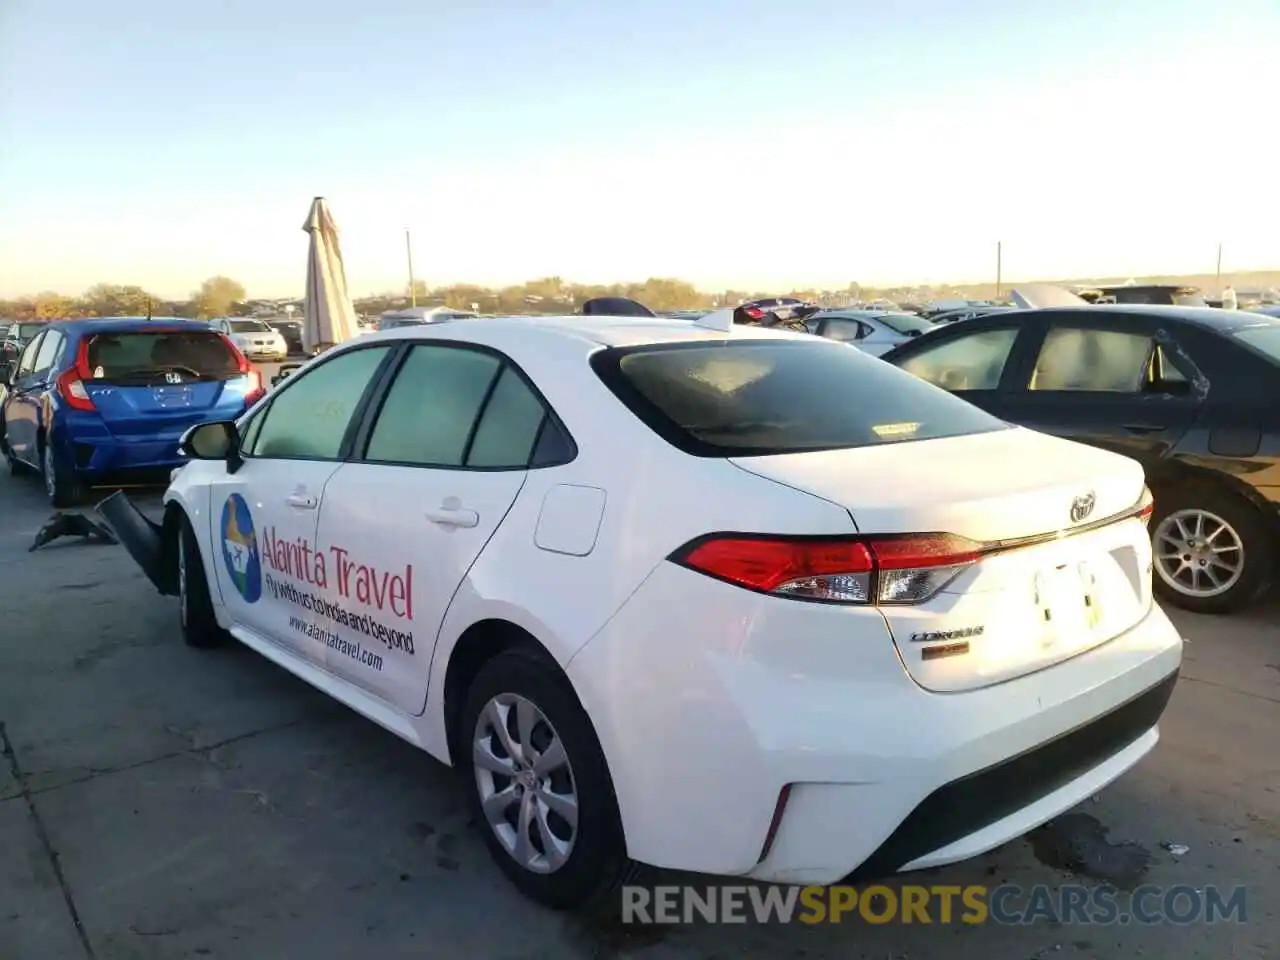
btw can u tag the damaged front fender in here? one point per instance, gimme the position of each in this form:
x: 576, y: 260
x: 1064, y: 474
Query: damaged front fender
x: 153, y: 546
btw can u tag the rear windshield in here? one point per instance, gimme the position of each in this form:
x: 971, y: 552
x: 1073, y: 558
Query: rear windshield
x: 248, y: 326
x: 148, y: 357
x: 1264, y: 339
x: 751, y: 398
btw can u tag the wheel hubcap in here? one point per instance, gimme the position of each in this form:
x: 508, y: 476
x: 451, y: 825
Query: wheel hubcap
x: 1198, y: 553
x: 526, y: 784
x: 50, y: 480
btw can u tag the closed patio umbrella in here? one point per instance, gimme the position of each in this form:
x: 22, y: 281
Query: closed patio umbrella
x: 328, y: 316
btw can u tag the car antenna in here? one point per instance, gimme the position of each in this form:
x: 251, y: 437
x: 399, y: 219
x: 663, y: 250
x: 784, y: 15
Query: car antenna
x: 148, y: 308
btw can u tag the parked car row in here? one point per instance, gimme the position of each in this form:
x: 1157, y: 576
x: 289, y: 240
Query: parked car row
x: 967, y: 529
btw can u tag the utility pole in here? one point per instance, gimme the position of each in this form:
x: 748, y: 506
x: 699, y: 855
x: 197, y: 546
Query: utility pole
x: 999, y: 267
x: 1218, y: 275
x: 413, y: 288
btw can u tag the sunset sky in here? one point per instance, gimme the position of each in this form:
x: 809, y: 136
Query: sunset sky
x: 747, y: 144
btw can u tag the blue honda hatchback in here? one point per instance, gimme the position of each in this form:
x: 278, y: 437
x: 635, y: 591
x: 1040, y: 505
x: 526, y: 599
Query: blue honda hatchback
x: 105, y: 401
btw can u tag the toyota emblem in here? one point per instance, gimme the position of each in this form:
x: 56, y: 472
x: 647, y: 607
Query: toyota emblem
x: 1082, y: 506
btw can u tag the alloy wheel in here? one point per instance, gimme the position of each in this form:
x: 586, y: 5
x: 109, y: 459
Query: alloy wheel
x: 526, y: 784
x: 1198, y: 553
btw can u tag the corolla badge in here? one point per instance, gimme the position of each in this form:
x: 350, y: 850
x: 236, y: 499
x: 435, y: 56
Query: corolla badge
x: 240, y: 549
x: 1082, y: 506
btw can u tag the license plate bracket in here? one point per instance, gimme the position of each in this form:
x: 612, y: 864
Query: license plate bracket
x: 1067, y: 600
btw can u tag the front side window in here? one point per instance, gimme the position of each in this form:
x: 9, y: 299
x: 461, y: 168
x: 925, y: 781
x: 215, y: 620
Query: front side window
x: 973, y: 361
x: 308, y: 418
x: 753, y: 398
x: 1093, y: 361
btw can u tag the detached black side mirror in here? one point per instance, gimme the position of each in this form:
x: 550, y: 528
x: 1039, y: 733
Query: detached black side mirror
x: 286, y: 371
x: 217, y: 440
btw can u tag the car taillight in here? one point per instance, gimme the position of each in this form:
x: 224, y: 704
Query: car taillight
x: 70, y: 385
x: 255, y: 391
x: 1146, y: 506
x: 755, y: 313
x: 891, y: 570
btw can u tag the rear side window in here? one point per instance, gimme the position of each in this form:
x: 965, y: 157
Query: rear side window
x: 453, y: 407
x: 973, y: 361
x: 151, y: 357
x: 428, y: 414
x: 1266, y: 340
x: 905, y: 323
x: 49, y: 349
x: 769, y: 397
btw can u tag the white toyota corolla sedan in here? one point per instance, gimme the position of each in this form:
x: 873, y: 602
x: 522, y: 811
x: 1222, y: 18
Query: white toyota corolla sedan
x: 738, y: 602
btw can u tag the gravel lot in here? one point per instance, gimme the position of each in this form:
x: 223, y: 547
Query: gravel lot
x: 160, y: 802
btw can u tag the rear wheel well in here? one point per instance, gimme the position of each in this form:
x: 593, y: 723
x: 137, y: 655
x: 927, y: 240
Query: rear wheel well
x: 480, y: 643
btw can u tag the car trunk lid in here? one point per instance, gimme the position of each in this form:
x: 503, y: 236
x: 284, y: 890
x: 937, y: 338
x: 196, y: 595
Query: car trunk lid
x: 1062, y: 560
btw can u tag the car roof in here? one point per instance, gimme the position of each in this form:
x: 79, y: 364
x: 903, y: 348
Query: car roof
x: 1209, y: 318
x: 859, y: 313
x: 604, y: 331
x: 124, y: 324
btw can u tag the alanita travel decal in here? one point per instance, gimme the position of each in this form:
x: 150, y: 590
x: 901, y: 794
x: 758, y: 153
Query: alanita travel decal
x: 333, y: 568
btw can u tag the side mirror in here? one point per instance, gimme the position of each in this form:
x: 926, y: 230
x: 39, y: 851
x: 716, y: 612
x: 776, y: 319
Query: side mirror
x: 286, y: 371
x: 6, y: 371
x: 218, y: 440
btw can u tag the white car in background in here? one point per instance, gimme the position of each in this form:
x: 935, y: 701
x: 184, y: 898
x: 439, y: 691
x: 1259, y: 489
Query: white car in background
x: 712, y: 598
x: 256, y: 339
x: 872, y: 331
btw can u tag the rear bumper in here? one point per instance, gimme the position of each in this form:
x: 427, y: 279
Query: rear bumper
x: 709, y: 701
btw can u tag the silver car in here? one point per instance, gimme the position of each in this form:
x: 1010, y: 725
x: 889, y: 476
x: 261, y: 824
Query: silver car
x: 873, y: 331
x: 256, y: 339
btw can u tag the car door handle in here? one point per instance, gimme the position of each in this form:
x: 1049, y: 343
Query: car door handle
x: 302, y: 501
x: 455, y: 517
x: 1144, y: 427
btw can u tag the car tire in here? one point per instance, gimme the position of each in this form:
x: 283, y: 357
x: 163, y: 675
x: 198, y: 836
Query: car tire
x: 1200, y: 532
x: 61, y: 485
x: 595, y: 863
x: 195, y: 605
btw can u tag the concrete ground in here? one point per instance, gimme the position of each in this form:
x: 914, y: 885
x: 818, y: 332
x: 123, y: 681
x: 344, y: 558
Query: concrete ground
x: 161, y: 802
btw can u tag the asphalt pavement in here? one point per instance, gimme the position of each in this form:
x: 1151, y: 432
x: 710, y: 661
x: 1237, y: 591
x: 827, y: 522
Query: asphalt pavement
x: 159, y: 802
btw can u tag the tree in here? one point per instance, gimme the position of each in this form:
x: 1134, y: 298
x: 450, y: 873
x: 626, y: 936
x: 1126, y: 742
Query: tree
x: 216, y: 297
x: 113, y: 300
x: 52, y: 306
